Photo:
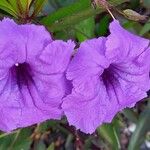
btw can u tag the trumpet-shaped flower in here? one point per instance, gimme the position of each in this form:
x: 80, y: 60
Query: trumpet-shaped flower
x: 32, y: 75
x: 108, y: 75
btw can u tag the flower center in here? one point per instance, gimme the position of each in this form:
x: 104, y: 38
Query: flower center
x: 108, y: 75
x: 22, y: 73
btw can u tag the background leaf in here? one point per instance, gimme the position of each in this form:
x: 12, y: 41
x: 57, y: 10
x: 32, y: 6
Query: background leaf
x: 145, y: 28
x: 60, y: 22
x: 66, y: 11
x: 85, y: 29
x: 141, y: 129
x: 110, y: 134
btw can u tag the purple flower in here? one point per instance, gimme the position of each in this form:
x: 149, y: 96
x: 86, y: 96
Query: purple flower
x: 32, y: 75
x: 108, y: 74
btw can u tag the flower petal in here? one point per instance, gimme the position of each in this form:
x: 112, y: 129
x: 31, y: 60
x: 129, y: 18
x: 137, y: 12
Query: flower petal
x: 22, y: 39
x: 121, y: 43
x: 133, y: 74
x: 87, y: 65
x: 86, y: 114
x: 23, y: 105
x: 89, y: 60
x: 54, y: 58
x: 121, y: 94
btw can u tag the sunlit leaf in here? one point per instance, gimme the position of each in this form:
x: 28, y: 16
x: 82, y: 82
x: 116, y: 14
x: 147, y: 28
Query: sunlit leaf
x: 19, y: 7
x: 13, y: 3
x: 38, y: 6
x: 25, y: 4
x: 6, y: 6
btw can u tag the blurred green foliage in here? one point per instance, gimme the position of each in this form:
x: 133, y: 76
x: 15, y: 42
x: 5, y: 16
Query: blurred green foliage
x: 79, y: 20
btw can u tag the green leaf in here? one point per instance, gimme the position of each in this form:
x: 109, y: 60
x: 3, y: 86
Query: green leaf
x: 102, y: 26
x: 130, y: 114
x: 13, y: 3
x: 145, y: 28
x: 66, y: 34
x: 66, y: 11
x: 76, y: 17
x: 73, y: 20
x: 6, y: 141
x: 69, y: 141
x: 38, y: 6
x: 16, y: 140
x: 63, y: 3
x: 40, y: 145
x: 20, y: 6
x: 25, y: 4
x: 46, y: 125
x: 22, y: 140
x: 7, y: 134
x: 85, y: 29
x: 51, y: 147
x: 135, y: 3
x: 6, y: 6
x: 110, y: 133
x: 142, y: 127
x: 88, y: 143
